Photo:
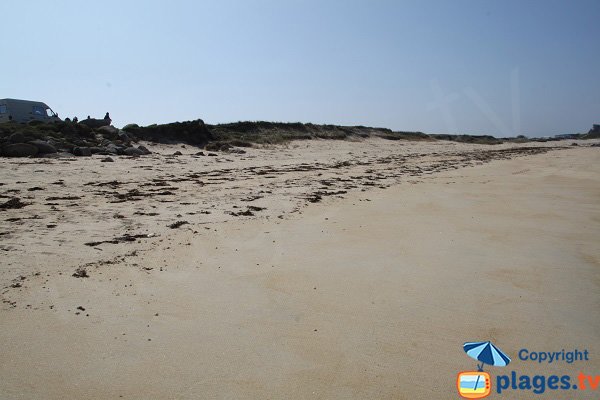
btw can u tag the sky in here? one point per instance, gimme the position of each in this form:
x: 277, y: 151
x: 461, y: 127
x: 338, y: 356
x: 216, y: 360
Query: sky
x: 437, y: 66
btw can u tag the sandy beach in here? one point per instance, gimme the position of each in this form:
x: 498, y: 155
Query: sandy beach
x: 312, y: 270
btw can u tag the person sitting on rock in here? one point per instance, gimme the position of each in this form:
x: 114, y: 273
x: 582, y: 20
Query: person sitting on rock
x: 107, y: 116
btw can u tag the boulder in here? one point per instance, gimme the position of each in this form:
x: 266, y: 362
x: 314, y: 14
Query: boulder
x: 98, y: 150
x: 107, y: 159
x: 132, y: 151
x: 95, y: 123
x: 114, y: 149
x: 82, y: 151
x: 108, y: 130
x: 130, y: 127
x: 144, y: 150
x: 57, y: 155
x: 124, y: 137
x: 19, y: 150
x: 218, y: 146
x: 43, y: 147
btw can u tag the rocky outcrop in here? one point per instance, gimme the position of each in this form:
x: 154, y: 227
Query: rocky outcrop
x: 43, y: 146
x: 19, y: 150
x: 593, y: 133
x: 82, y: 151
x: 144, y: 150
x: 132, y: 151
x: 95, y: 123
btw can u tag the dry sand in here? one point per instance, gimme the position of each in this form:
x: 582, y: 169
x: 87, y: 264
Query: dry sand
x: 363, y: 269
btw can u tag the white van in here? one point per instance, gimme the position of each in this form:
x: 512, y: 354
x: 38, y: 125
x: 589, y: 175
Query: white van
x: 24, y: 111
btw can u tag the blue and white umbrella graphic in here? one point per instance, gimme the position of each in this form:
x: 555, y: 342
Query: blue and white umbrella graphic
x: 487, y: 353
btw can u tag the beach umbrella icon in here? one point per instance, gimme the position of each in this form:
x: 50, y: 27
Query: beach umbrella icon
x: 486, y: 353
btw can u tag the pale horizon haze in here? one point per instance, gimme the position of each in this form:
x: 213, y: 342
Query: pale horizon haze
x: 474, y: 67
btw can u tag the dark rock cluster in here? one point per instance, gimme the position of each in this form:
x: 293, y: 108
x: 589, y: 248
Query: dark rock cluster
x: 83, y: 139
x: 79, y: 139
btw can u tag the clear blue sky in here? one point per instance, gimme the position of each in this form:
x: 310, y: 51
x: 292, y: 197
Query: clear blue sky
x: 497, y: 67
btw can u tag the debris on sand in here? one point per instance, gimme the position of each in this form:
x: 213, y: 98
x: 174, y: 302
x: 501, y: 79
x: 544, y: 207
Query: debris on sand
x: 247, y: 213
x: 318, y: 196
x: 17, y: 282
x: 81, y: 272
x: 14, y: 203
x: 54, y: 198
x: 120, y: 239
x: 177, y: 224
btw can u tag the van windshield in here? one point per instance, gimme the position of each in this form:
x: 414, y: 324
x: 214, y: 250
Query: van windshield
x: 50, y: 113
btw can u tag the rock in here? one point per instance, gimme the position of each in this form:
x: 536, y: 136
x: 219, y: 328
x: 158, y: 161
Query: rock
x: 177, y: 153
x: 98, y: 150
x: 82, y: 151
x: 108, y: 130
x: 20, y: 150
x: 130, y: 127
x: 124, y: 137
x: 61, y: 154
x: 212, y: 154
x: 218, y: 146
x: 132, y: 151
x: 593, y: 133
x: 43, y: 147
x: 144, y: 150
x: 114, y: 149
x: 95, y: 123
x: 16, y: 137
x: 107, y: 159
x: 200, y: 153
